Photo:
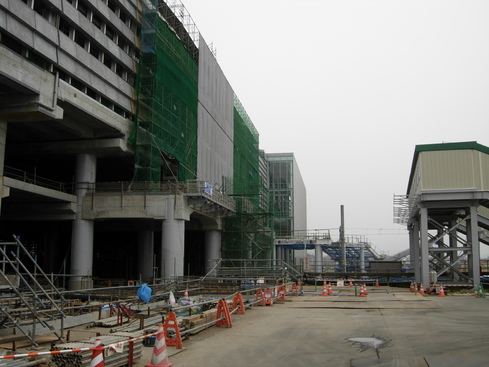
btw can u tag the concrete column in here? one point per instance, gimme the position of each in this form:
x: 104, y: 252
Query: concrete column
x: 424, y: 250
x: 474, y: 255
x: 82, y: 230
x: 318, y: 257
x: 146, y: 255
x: 414, y: 250
x: 212, y: 251
x: 3, y: 138
x: 172, y: 244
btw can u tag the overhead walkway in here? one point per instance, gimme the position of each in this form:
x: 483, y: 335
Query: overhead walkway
x: 358, y: 254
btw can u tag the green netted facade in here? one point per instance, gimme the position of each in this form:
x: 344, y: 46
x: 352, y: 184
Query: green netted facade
x: 167, y: 93
x: 165, y: 134
x: 248, y: 234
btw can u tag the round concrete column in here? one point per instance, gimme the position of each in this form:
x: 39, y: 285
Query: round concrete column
x: 172, y: 244
x: 212, y: 251
x: 82, y: 231
x: 318, y: 257
x: 145, y: 255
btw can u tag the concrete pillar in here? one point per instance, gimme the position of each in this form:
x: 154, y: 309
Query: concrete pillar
x: 3, y: 138
x: 414, y: 250
x: 82, y: 230
x: 424, y: 250
x: 146, y: 255
x: 318, y: 257
x: 473, y: 239
x: 172, y: 244
x: 212, y: 251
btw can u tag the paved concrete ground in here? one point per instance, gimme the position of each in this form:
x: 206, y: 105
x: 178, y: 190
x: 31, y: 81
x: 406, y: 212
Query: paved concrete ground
x: 311, y: 330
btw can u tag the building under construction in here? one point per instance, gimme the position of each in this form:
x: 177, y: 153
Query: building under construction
x: 124, y: 151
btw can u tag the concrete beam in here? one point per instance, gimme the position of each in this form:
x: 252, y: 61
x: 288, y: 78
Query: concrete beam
x: 38, y: 190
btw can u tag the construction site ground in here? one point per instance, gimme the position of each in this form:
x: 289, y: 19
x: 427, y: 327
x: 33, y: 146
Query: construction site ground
x: 390, y: 327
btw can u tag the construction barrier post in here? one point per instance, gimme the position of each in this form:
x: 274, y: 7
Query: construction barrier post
x: 238, y: 304
x: 281, y: 294
x: 223, y: 312
x: 160, y: 354
x: 97, y: 355
x: 259, y: 298
x: 172, y: 323
x: 268, y: 297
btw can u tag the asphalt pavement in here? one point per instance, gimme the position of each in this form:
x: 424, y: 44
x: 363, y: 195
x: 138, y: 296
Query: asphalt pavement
x: 389, y: 327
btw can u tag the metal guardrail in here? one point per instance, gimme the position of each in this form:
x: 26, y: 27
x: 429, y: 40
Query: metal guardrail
x: 34, y: 179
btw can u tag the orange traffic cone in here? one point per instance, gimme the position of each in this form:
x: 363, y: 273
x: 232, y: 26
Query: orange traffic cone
x: 421, y: 289
x: 411, y: 287
x: 185, y: 295
x: 351, y: 284
x: 97, y: 355
x: 330, y: 289
x: 160, y: 354
x: 325, y: 289
x: 365, y: 289
x: 441, y: 292
x: 377, y: 283
x: 362, y: 292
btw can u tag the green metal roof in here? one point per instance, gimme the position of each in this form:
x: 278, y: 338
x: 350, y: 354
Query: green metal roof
x: 467, y: 145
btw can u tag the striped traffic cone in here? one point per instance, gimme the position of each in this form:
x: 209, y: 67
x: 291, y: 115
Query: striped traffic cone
x: 97, y: 355
x: 330, y: 289
x: 362, y: 291
x: 421, y: 289
x: 160, y: 354
x: 411, y: 287
x: 325, y: 289
x: 441, y: 292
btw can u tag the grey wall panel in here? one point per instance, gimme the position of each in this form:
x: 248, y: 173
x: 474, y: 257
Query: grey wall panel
x: 215, y: 120
x: 300, y: 199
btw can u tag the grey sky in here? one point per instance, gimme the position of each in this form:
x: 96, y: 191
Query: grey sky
x: 350, y: 87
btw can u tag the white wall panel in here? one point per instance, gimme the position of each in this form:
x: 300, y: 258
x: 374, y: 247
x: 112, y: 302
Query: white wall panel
x: 215, y: 120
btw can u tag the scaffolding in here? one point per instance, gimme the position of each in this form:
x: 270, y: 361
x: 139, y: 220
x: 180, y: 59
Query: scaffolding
x: 165, y: 129
x: 25, y: 301
x: 248, y: 234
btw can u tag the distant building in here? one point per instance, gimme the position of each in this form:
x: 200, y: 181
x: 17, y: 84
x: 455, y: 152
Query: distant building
x: 289, y: 198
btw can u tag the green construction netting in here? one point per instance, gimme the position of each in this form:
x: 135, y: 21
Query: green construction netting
x: 248, y: 234
x: 167, y: 95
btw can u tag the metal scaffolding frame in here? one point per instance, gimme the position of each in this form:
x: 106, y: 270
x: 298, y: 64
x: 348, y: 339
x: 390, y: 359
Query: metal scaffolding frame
x: 33, y: 303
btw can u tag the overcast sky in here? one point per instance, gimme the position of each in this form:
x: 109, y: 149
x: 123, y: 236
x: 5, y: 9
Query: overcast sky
x: 351, y: 87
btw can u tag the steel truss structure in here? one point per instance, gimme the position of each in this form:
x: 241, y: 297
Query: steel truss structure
x: 445, y: 227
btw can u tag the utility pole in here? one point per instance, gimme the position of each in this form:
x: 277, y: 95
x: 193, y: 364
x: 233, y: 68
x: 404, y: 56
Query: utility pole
x: 342, y: 240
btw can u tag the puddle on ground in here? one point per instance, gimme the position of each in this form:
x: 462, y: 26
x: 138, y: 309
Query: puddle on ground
x: 374, y: 343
